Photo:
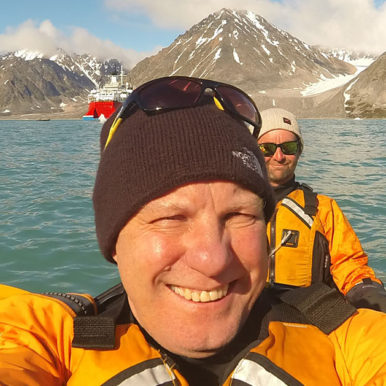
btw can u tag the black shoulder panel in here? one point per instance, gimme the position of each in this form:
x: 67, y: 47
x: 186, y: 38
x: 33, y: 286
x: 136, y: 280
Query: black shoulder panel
x: 310, y: 202
x: 304, y: 186
x: 96, y: 330
x: 322, y: 306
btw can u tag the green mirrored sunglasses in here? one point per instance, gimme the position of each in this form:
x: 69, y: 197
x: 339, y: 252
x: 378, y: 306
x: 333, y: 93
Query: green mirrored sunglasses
x: 288, y: 148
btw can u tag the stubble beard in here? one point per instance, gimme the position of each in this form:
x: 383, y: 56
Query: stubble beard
x: 280, y: 178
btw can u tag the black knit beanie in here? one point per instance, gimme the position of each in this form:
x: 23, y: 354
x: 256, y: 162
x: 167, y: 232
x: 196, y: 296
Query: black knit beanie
x: 150, y: 155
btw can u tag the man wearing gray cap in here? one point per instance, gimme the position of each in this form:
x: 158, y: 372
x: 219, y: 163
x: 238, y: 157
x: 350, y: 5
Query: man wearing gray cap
x: 310, y: 238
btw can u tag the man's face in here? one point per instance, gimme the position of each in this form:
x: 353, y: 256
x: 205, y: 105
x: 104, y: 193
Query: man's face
x: 280, y: 167
x: 193, y: 262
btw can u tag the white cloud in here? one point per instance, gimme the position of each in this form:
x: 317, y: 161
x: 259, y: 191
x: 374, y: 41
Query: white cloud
x: 40, y: 38
x: 82, y: 41
x: 351, y: 24
x: 45, y: 38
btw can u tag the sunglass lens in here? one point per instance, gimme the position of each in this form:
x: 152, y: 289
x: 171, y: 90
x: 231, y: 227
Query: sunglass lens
x: 268, y: 149
x: 239, y: 102
x: 169, y: 93
x: 290, y: 148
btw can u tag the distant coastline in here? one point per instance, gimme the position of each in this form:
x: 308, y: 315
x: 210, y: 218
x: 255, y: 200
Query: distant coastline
x: 71, y: 113
x: 73, y: 117
x: 39, y: 117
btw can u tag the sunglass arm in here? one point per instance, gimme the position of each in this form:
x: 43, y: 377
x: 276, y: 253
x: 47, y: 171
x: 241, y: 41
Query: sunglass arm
x: 112, y: 131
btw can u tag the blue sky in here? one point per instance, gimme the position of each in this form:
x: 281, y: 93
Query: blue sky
x: 132, y: 29
x: 128, y: 29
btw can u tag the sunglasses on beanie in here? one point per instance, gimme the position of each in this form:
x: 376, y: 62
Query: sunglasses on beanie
x: 179, y: 92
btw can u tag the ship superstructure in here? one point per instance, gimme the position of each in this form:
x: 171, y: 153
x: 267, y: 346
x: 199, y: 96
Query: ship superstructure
x: 103, y: 101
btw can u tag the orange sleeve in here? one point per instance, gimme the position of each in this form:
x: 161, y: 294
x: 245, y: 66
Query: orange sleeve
x: 35, y: 339
x: 360, y: 348
x: 348, y: 259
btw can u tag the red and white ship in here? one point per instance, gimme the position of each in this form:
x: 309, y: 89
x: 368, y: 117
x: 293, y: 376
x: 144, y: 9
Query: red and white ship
x: 105, y: 100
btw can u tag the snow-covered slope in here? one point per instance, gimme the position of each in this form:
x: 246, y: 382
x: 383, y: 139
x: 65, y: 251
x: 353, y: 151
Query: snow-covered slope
x: 32, y: 82
x: 238, y: 47
x: 245, y: 49
x: 359, y: 60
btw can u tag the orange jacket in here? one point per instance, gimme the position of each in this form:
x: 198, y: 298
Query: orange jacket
x: 36, y: 334
x: 300, y: 260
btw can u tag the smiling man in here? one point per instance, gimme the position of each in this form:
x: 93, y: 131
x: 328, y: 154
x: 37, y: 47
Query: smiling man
x: 200, y: 275
x: 181, y: 202
x: 310, y: 238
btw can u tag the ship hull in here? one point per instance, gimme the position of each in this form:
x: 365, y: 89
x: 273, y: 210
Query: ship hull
x: 98, y: 108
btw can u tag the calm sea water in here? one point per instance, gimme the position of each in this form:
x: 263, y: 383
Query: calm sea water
x: 47, y: 170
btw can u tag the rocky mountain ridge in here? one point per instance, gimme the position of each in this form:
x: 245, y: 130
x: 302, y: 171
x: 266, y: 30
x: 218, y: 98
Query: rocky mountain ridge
x: 274, y: 67
x: 32, y: 83
x: 362, y: 97
x: 365, y: 96
x: 237, y: 47
x: 244, y: 49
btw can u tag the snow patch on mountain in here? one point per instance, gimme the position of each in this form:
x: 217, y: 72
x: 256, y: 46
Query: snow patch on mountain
x: 236, y: 56
x: 28, y: 55
x: 325, y: 84
x: 256, y: 22
x: 268, y: 52
x: 359, y: 59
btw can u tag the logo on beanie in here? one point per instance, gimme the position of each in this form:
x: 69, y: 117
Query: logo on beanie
x: 287, y: 121
x: 249, y: 160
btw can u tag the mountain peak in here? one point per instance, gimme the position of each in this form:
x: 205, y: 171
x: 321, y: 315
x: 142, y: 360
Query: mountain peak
x: 242, y: 48
x: 32, y: 82
x: 233, y: 46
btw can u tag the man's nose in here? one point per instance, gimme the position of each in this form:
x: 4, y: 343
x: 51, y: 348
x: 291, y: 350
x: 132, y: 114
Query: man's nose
x: 278, y: 155
x: 209, y: 249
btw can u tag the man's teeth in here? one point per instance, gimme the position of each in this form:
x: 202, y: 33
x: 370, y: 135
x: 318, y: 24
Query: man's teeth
x: 201, y: 296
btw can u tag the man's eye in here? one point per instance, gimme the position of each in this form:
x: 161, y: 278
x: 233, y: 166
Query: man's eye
x: 228, y: 216
x: 166, y: 219
x: 239, y: 216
